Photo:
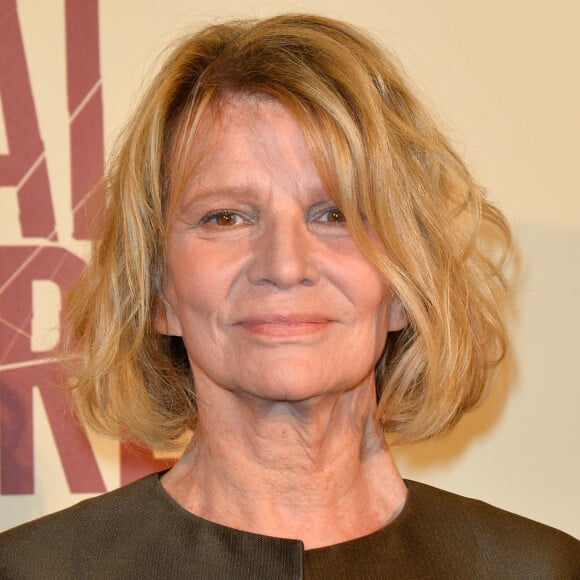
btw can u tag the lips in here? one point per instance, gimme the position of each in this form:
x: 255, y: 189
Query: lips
x: 284, y: 325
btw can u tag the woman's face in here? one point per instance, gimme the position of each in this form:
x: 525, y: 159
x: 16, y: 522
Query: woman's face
x: 264, y: 283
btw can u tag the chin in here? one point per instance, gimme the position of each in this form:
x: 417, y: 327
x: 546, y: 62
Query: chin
x: 293, y: 386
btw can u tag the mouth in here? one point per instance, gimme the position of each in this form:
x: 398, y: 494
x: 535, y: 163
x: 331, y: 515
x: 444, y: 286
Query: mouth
x: 284, y: 326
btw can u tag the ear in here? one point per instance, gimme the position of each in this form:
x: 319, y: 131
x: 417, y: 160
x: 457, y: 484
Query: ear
x: 398, y: 318
x: 165, y: 321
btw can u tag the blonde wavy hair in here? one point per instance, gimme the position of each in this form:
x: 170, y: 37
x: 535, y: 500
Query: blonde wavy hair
x: 412, y: 207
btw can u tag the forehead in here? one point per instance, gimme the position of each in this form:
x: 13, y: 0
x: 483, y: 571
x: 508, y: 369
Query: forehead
x: 247, y: 123
x: 244, y: 138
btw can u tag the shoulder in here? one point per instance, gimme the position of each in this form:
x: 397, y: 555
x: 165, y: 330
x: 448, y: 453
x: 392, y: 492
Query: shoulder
x: 479, y: 530
x: 50, y: 545
x: 138, y: 531
x: 101, y: 510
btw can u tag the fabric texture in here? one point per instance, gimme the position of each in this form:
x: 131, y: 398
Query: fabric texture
x: 139, y: 532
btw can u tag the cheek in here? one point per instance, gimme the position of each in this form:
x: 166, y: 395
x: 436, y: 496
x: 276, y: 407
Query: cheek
x: 197, y: 285
x: 367, y: 289
x: 370, y: 295
x: 183, y: 288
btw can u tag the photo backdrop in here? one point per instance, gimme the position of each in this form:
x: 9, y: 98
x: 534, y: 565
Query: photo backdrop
x: 502, y: 77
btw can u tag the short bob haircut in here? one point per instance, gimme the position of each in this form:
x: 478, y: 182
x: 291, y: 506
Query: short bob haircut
x: 411, y: 205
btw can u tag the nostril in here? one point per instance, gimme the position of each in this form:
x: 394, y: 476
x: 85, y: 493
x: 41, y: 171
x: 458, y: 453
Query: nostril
x: 264, y: 282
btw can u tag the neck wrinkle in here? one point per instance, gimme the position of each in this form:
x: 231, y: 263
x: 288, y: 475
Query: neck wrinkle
x: 319, y: 471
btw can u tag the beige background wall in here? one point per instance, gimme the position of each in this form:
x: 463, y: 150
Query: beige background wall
x: 503, y: 77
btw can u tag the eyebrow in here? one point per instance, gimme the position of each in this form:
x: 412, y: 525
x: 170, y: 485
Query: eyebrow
x: 200, y: 192
x: 204, y: 194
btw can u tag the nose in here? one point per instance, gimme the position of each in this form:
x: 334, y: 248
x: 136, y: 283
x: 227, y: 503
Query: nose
x: 283, y: 255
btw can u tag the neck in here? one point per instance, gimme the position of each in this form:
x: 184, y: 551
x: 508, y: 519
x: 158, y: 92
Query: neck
x: 316, y: 470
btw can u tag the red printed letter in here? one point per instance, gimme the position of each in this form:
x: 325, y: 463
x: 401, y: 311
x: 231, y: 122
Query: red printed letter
x: 25, y: 165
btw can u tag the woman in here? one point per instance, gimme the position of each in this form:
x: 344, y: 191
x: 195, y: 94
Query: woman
x: 291, y: 267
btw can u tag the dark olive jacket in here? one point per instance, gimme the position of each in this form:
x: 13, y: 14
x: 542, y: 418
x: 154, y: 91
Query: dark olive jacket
x: 140, y: 532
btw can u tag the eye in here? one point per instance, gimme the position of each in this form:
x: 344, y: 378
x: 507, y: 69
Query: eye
x: 332, y: 215
x: 325, y: 219
x: 222, y: 218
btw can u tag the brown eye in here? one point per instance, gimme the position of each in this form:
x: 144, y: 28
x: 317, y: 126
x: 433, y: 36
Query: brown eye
x: 333, y: 215
x: 225, y: 219
x: 222, y: 218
